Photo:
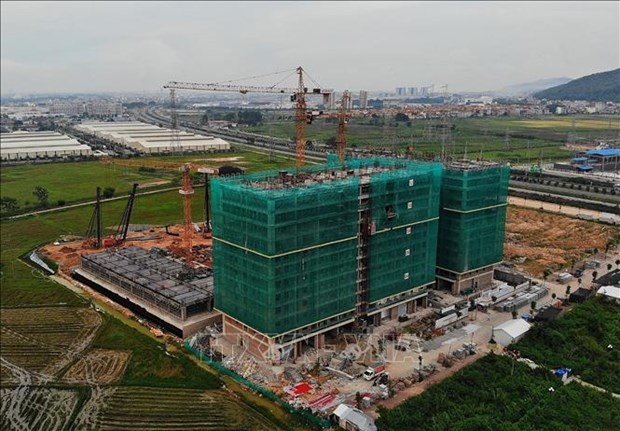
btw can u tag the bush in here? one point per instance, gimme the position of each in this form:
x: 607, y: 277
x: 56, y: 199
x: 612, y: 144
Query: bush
x: 108, y: 192
x: 61, y: 202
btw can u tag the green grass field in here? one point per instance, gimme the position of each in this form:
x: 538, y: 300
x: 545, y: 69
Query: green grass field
x: 149, y: 365
x: 528, y: 139
x: 77, y: 181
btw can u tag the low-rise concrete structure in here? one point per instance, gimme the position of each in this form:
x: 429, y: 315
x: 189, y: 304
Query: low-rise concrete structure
x: 154, y: 285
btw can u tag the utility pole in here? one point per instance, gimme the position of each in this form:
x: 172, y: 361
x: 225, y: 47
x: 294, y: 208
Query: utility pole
x: 175, y: 141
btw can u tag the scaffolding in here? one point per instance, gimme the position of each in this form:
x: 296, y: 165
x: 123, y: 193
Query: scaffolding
x: 473, y: 215
x: 287, y: 245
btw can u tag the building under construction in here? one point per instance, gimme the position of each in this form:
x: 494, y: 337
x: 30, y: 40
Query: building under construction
x: 300, y: 254
x: 471, y: 224
x: 153, y: 284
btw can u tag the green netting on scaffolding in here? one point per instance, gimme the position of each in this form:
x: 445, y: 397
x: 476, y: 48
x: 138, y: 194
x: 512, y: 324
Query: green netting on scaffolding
x: 402, y: 259
x: 287, y: 292
x: 405, y: 206
x: 471, y: 227
x: 285, y: 255
x: 472, y: 189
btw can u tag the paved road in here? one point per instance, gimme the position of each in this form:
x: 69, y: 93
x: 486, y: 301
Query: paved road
x: 556, y: 208
x: 568, y: 192
x: 611, y: 206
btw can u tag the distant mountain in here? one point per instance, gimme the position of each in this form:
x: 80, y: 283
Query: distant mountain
x: 598, y: 87
x: 527, y: 88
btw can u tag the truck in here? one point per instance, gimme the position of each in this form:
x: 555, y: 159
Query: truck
x: 374, y: 370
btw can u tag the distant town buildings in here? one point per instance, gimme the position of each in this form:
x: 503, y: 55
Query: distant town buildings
x: 94, y: 108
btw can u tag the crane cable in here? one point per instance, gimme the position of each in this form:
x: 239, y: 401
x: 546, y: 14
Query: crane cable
x: 254, y: 77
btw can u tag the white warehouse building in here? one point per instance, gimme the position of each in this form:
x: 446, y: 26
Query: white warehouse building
x: 151, y: 139
x: 39, y: 145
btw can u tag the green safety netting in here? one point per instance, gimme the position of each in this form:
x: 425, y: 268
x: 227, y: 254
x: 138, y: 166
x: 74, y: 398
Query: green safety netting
x: 285, y: 258
x: 472, y: 217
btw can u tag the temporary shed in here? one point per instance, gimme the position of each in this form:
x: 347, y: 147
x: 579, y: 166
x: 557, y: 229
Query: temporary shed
x: 352, y: 419
x: 511, y: 331
x: 611, y: 292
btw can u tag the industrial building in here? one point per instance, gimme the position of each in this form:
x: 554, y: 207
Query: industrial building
x: 471, y: 225
x: 150, y: 139
x: 40, y: 145
x: 153, y: 284
x: 297, y: 255
x: 605, y: 160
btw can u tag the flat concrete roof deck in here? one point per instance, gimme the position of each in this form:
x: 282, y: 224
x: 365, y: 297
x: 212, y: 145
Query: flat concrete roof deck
x: 157, y: 273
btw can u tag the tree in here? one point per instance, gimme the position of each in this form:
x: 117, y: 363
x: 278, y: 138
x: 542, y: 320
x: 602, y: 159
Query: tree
x: 553, y: 296
x: 594, y: 275
x: 609, y: 266
x: 617, y: 263
x: 251, y: 117
x: 608, y: 246
x: 9, y: 205
x: 229, y: 170
x: 358, y: 400
x: 108, y: 192
x: 41, y: 194
x: 401, y: 117
x: 568, y: 288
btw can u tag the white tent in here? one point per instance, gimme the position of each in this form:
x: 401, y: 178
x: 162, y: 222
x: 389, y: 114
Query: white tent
x: 511, y: 331
x: 610, y: 292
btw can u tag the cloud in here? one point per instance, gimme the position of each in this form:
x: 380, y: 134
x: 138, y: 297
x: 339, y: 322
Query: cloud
x: 96, y: 46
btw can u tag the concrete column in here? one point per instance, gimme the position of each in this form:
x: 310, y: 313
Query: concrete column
x: 319, y: 341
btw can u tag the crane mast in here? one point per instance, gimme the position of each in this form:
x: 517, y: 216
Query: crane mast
x: 341, y: 136
x: 187, y: 191
x: 300, y: 124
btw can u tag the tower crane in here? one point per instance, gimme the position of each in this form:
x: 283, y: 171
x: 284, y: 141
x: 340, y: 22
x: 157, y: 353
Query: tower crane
x: 298, y: 95
x: 341, y: 136
x: 187, y: 191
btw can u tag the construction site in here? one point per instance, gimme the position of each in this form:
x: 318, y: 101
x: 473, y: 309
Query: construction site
x: 286, y: 266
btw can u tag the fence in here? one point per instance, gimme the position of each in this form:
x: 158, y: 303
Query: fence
x: 306, y: 416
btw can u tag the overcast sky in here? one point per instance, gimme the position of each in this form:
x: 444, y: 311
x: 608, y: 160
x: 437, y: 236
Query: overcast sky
x: 138, y: 46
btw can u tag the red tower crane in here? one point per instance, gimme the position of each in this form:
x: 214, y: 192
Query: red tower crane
x: 187, y: 191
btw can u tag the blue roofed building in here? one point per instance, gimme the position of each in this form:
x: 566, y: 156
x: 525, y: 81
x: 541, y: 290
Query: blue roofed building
x: 605, y: 160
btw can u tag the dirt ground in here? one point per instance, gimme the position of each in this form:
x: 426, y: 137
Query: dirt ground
x: 544, y: 240
x: 67, y: 254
